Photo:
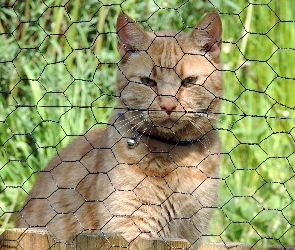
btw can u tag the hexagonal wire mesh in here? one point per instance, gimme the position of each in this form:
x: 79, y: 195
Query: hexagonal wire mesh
x: 58, y: 61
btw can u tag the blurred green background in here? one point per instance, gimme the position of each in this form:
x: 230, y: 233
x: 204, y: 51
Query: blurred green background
x: 57, y: 80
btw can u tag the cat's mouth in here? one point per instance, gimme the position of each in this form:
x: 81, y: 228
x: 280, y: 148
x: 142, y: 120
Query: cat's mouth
x: 144, y: 120
x: 162, y: 119
x: 181, y: 128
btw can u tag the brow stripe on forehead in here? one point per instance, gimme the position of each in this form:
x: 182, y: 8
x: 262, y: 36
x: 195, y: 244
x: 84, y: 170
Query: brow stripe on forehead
x: 181, y: 70
x: 154, y: 72
x: 167, y: 54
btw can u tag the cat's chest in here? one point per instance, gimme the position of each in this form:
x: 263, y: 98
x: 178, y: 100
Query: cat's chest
x: 152, y: 194
x: 156, y: 172
x: 154, y: 178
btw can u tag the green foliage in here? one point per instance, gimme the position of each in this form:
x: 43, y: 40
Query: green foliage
x: 57, y: 72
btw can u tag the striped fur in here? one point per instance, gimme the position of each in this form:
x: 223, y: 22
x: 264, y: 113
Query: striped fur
x: 170, y: 86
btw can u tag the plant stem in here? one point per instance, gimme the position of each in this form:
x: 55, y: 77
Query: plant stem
x: 11, y: 210
x: 71, y: 33
x: 12, y: 83
x: 100, y: 26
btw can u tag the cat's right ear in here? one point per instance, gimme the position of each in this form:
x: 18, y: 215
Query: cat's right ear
x: 130, y: 36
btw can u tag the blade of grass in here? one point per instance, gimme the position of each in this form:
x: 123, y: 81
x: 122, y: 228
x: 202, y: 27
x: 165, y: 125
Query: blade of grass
x: 244, y: 34
x: 100, y: 28
x: 58, y: 14
x: 18, y: 62
x: 35, y: 88
x: 72, y: 33
x: 10, y: 212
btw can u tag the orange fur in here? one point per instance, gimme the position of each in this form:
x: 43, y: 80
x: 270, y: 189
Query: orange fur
x: 159, y: 188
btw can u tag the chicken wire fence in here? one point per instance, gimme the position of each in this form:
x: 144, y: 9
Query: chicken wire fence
x: 57, y: 81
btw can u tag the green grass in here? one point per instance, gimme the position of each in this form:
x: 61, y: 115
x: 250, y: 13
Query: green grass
x: 57, y: 74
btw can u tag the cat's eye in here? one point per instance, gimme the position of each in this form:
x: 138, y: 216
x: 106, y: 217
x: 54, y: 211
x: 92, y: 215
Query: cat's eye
x: 189, y: 81
x: 148, y: 82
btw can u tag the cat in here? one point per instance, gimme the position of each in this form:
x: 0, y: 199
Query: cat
x: 153, y: 171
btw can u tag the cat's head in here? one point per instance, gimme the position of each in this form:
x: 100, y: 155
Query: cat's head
x: 170, y: 82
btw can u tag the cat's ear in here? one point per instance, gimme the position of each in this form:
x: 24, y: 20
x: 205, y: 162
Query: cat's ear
x: 131, y: 36
x: 208, y: 33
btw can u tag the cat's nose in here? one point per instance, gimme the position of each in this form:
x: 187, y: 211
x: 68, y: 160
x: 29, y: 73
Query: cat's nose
x: 168, y: 104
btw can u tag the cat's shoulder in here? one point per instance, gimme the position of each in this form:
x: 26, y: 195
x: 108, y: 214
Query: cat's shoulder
x: 79, y: 147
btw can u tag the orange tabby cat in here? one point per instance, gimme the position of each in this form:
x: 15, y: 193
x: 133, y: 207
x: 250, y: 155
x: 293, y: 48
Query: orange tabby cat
x: 152, y: 172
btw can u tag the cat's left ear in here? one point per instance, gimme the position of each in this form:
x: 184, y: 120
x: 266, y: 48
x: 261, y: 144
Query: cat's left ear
x: 208, y: 33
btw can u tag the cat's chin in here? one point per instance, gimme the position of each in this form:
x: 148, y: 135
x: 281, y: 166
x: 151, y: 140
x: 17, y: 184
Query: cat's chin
x: 173, y: 134
x: 166, y: 123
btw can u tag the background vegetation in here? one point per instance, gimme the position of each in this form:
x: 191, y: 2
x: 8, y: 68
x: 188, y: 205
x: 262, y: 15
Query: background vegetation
x: 57, y: 80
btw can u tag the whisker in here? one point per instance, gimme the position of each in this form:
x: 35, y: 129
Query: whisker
x: 132, y: 118
x: 206, y: 139
x: 132, y: 128
x: 143, y: 132
x: 137, y: 126
x: 127, y: 122
x: 206, y: 114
